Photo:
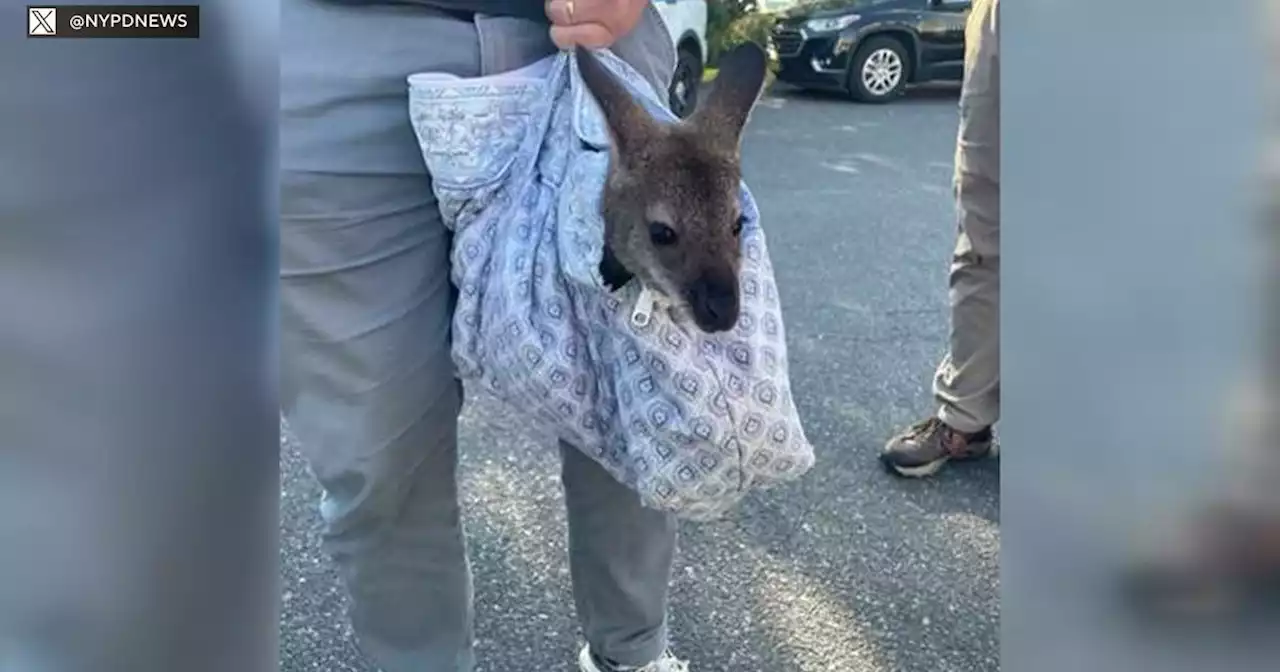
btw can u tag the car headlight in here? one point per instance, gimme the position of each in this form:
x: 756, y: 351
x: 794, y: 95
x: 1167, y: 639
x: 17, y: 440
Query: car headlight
x: 832, y: 24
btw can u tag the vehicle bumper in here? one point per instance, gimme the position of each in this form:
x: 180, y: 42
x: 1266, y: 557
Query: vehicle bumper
x: 812, y: 60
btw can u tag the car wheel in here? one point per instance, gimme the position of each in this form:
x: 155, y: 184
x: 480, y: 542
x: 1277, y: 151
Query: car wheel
x: 878, y: 71
x: 684, y: 84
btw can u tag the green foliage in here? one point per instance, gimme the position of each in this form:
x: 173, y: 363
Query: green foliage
x: 721, y: 14
x: 732, y: 22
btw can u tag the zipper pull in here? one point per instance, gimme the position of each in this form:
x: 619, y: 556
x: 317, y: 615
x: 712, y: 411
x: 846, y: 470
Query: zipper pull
x: 643, y: 311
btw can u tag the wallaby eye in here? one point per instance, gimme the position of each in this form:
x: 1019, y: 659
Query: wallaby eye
x: 738, y: 223
x: 661, y: 234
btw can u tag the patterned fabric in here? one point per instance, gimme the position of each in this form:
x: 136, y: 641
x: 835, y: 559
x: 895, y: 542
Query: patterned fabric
x: 691, y: 421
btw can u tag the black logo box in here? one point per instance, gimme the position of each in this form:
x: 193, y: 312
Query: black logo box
x: 127, y: 21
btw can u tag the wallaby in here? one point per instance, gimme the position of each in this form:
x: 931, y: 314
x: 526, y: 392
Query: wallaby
x: 670, y: 202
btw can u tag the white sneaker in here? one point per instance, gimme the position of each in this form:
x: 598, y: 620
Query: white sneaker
x: 667, y: 662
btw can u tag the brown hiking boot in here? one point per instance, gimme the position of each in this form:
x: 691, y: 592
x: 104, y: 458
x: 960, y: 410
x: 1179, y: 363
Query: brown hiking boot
x: 923, y: 448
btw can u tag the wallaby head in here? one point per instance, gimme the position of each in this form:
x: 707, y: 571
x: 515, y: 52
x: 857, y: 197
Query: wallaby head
x: 670, y: 202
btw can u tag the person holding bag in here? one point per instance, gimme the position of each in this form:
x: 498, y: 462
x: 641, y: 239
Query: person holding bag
x: 368, y: 385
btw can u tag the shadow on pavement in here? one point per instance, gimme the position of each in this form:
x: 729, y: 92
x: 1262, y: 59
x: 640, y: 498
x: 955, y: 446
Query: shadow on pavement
x: 937, y: 93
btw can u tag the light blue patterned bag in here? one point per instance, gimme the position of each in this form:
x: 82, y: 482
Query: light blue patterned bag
x: 690, y: 420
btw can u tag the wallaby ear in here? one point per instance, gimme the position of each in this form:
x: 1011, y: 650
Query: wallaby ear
x: 733, y: 93
x: 629, y: 124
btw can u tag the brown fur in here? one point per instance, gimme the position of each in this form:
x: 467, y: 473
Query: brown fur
x: 684, y: 177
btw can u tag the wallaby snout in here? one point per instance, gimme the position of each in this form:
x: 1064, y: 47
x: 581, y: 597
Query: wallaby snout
x: 670, y: 204
x: 713, y: 300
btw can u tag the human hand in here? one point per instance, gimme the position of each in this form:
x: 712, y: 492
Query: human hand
x: 594, y: 24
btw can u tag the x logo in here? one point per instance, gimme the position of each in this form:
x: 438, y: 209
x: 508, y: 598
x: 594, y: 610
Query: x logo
x: 41, y: 20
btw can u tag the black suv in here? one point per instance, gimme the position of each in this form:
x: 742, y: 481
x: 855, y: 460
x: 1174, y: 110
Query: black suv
x: 871, y: 49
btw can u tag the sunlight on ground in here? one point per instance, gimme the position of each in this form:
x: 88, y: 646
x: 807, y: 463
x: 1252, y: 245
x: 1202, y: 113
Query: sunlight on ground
x: 811, y: 621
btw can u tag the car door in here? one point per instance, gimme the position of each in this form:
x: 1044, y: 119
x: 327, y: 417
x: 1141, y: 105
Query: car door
x: 942, y: 38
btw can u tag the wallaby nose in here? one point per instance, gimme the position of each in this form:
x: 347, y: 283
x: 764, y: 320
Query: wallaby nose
x: 715, y: 302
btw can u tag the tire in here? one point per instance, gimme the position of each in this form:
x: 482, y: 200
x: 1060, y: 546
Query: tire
x: 879, y: 71
x: 683, y: 95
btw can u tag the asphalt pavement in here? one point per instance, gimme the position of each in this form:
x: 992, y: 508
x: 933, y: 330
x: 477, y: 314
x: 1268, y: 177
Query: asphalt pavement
x: 848, y: 570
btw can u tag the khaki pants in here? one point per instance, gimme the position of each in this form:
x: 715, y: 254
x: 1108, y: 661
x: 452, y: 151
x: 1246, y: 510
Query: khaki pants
x: 967, y: 383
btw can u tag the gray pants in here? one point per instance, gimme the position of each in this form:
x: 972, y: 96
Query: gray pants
x: 967, y: 383
x: 368, y: 384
